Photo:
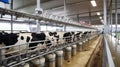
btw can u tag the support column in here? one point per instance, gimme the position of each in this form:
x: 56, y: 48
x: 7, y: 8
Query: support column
x: 59, y: 58
x: 68, y: 53
x: 51, y: 60
x: 11, y: 6
x: 74, y: 50
x: 40, y: 62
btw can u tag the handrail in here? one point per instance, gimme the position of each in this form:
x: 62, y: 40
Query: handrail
x: 107, y: 57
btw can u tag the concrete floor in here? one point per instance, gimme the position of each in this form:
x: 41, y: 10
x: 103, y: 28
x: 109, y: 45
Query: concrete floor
x: 115, y: 49
x: 81, y: 59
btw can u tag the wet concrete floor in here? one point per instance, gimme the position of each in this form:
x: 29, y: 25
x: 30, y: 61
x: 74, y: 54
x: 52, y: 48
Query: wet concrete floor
x: 81, y: 59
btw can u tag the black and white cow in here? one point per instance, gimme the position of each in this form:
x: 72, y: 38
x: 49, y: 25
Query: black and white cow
x: 51, y: 38
x: 77, y: 35
x: 60, y: 37
x: 8, y: 39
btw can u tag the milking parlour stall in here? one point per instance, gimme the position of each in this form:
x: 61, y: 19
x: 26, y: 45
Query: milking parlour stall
x: 41, y: 38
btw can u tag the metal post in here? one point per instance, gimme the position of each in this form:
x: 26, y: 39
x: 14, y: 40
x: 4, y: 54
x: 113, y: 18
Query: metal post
x: 11, y: 6
x: 78, y: 17
x: 38, y: 3
x: 38, y: 25
x: 105, y: 22
x: 64, y: 13
x: 108, y: 26
x: 65, y: 28
x: 89, y: 15
x: 111, y: 18
x: 116, y: 22
x: 38, y: 11
x: 116, y: 17
x: 0, y: 57
x: 105, y: 16
x: 64, y: 8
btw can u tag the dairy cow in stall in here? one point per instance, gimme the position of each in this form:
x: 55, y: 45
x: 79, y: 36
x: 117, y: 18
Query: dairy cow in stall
x: 63, y: 37
x: 52, y: 38
x: 77, y: 36
x: 9, y: 39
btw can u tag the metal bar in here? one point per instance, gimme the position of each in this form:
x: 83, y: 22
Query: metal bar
x: 111, y: 17
x: 105, y: 22
x: 116, y: 40
x: 105, y: 16
x: 108, y: 54
x: 116, y: 17
x: 0, y: 57
x: 78, y: 18
x: 38, y: 25
x: 38, y: 3
x: 64, y: 8
x: 11, y: 6
x: 90, y: 17
x: 65, y: 27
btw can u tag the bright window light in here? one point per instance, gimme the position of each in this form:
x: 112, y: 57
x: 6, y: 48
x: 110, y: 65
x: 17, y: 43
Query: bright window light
x: 93, y: 2
x: 100, y: 17
x: 98, y: 13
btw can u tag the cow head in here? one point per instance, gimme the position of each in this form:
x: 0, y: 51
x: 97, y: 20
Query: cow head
x: 77, y: 36
x: 68, y: 37
x: 54, y: 37
x: 10, y: 38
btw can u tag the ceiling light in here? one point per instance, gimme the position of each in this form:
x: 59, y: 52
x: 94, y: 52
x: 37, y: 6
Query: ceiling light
x: 98, y: 13
x: 101, y: 20
x: 93, y: 2
x: 100, y: 17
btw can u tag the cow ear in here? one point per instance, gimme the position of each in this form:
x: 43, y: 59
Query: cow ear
x: 50, y: 33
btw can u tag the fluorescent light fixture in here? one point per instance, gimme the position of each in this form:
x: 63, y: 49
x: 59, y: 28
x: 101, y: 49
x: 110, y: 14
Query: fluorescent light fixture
x: 100, y: 17
x: 98, y: 13
x: 93, y: 2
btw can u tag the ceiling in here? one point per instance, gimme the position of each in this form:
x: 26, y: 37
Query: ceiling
x: 78, y: 10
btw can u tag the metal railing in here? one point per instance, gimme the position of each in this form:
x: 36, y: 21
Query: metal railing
x: 21, y: 56
x: 107, y: 57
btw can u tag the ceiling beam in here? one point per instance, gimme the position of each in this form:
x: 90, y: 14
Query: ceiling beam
x: 67, y: 4
x: 51, y: 8
x: 31, y: 4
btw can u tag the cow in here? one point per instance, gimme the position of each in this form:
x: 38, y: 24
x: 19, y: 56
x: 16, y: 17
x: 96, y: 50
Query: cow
x: 60, y: 37
x: 9, y: 39
x: 47, y: 39
x: 77, y: 36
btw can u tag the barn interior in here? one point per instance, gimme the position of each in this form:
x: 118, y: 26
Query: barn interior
x: 59, y: 33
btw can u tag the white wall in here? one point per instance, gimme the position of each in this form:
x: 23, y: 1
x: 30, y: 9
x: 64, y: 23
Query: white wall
x: 71, y: 28
x: 16, y: 26
x: 3, y: 5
